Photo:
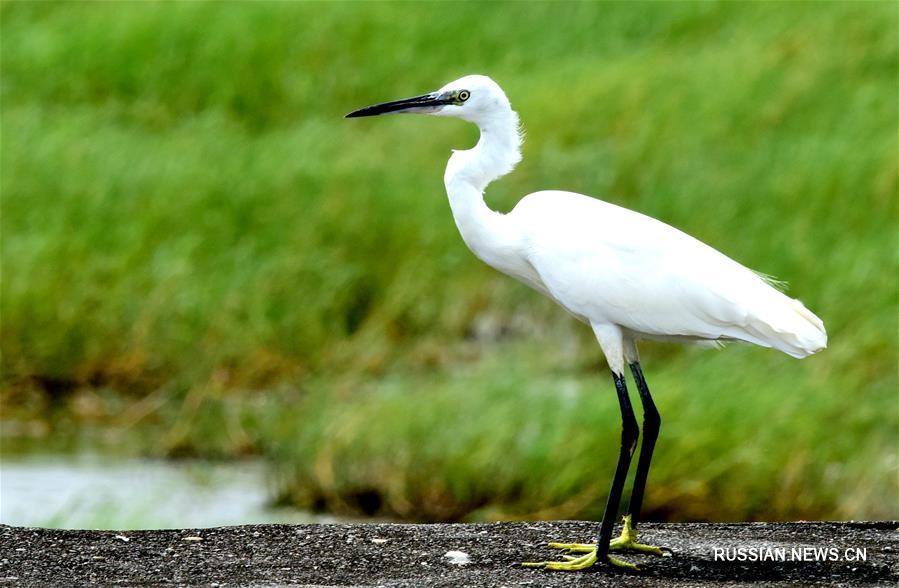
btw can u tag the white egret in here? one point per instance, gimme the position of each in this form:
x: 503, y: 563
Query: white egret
x: 630, y: 277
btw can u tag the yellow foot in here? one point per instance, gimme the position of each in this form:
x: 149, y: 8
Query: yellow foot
x: 627, y: 541
x: 572, y: 564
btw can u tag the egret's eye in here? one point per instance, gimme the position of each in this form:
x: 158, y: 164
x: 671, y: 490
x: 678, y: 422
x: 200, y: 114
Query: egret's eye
x: 463, y: 95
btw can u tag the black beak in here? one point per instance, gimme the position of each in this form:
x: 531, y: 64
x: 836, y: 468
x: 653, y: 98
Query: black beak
x: 424, y: 103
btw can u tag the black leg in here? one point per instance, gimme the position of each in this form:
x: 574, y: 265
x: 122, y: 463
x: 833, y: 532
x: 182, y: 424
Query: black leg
x: 651, y: 423
x: 629, y: 435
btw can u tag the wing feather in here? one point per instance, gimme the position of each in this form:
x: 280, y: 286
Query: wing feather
x: 604, y: 263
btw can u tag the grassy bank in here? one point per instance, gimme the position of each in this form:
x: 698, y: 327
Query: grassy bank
x: 198, y: 249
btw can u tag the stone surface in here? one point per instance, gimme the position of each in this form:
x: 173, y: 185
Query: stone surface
x: 400, y: 555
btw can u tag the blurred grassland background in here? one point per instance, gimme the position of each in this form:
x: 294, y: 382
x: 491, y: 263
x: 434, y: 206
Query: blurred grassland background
x: 201, y: 257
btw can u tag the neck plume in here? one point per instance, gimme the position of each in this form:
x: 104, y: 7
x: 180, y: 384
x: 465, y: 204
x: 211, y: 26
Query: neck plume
x: 496, y: 154
x: 485, y: 231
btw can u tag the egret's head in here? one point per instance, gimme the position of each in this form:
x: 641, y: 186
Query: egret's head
x: 474, y: 98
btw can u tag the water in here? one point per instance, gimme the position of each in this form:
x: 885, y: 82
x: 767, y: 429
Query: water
x: 92, y: 492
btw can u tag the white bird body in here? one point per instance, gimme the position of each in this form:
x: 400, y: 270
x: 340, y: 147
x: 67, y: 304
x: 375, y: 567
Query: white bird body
x: 628, y: 275
x: 663, y: 285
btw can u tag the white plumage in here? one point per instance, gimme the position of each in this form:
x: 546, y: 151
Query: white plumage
x: 609, y: 265
x: 629, y: 276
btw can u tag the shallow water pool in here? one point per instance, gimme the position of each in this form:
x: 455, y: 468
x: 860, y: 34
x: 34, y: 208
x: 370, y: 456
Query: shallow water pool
x: 94, y: 492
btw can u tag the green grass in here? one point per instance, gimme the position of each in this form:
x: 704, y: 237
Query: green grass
x: 191, y: 228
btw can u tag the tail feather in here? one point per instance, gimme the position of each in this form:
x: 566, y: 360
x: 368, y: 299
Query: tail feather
x: 786, y: 324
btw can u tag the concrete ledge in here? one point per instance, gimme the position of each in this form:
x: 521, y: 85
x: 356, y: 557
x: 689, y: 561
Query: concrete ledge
x: 415, y: 555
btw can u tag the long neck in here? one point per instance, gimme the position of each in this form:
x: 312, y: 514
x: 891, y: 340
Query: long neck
x: 467, y: 175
